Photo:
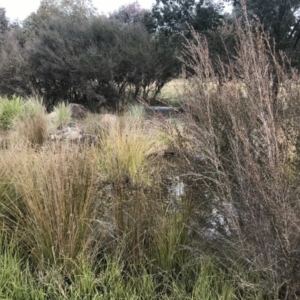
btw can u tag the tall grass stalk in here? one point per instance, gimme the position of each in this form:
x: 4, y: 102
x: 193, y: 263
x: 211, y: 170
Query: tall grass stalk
x: 129, y: 160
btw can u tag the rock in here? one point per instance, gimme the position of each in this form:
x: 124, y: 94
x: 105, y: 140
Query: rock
x: 72, y: 132
x: 78, y: 111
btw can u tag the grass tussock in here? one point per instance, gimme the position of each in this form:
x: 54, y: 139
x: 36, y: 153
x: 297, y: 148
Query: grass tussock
x: 48, y: 202
x: 32, y: 124
x: 62, y: 115
x: 128, y: 151
x: 9, y: 110
x: 137, y: 112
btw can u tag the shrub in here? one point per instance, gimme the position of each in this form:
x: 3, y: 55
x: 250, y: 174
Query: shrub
x: 33, y: 130
x: 32, y: 106
x: 130, y: 161
x: 104, y: 60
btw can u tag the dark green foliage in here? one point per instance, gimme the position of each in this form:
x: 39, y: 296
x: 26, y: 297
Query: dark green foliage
x: 12, y: 57
x: 173, y: 16
x: 280, y: 19
x: 14, y: 77
x: 207, y: 16
x: 145, y: 62
x: 172, y: 21
x: 71, y: 58
x: 65, y: 51
x: 3, y: 21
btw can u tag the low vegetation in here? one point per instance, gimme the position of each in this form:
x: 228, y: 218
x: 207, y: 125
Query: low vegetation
x: 9, y: 110
x: 62, y: 115
x: 201, y: 206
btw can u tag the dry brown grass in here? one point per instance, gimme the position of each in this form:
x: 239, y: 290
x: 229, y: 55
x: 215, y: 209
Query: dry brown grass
x: 61, y: 200
x: 49, y: 202
x: 34, y: 129
x: 246, y: 136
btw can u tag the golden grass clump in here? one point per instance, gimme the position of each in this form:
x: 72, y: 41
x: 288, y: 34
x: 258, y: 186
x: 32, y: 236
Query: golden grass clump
x: 35, y: 129
x: 32, y: 124
x: 129, y: 150
x: 48, y: 202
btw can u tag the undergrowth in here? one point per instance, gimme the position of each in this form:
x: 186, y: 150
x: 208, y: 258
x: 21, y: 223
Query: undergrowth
x: 203, y: 207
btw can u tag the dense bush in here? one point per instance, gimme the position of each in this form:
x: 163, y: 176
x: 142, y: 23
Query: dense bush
x: 91, y: 60
x: 14, y: 76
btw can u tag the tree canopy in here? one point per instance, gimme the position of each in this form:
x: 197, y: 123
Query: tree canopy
x: 172, y: 16
x: 66, y: 51
x: 3, y: 21
x: 281, y: 19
